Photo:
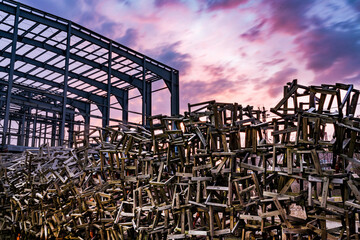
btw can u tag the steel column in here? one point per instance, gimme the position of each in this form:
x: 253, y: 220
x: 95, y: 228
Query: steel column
x: 46, y: 125
x: 87, y: 122
x: 106, y: 118
x: 125, y: 107
x: 175, y: 93
x: 71, y: 129
x: 66, y: 74
x: 27, y: 132
x: 144, y: 91
x: 53, y: 130
x: 22, y: 132
x: 148, y: 102
x: 34, y: 130
x: 11, y: 76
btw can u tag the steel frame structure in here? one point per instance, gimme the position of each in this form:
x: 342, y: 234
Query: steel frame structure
x: 56, y: 75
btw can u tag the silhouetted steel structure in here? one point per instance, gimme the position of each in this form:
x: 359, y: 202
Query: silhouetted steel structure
x: 56, y: 75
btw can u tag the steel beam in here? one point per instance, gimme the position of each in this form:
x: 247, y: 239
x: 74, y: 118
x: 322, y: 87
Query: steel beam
x: 161, y: 69
x: 92, y: 82
x: 127, y: 78
x: 95, y: 98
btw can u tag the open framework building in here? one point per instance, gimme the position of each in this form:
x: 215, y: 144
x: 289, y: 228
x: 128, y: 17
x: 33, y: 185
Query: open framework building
x: 57, y: 77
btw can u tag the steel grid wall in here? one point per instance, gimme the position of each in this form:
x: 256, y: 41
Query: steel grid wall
x: 57, y: 77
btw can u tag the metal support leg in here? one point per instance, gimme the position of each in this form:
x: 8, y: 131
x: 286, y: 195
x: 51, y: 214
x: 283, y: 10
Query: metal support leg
x: 148, y: 102
x: 71, y: 130
x: 45, y: 130
x: 106, y: 118
x: 67, y: 56
x: 9, y: 133
x: 53, y: 130
x: 40, y: 132
x: 175, y: 99
x: 11, y: 76
x: 87, y: 122
x: 34, y: 130
x: 27, y: 132
x: 125, y: 107
x: 144, y: 113
x: 22, y: 131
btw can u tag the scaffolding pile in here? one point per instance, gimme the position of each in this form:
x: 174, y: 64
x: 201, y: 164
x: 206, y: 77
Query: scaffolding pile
x: 220, y: 171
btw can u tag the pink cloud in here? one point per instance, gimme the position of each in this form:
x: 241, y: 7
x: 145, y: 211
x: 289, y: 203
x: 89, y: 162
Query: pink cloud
x: 274, y: 85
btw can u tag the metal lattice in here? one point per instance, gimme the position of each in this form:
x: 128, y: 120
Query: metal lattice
x: 56, y: 75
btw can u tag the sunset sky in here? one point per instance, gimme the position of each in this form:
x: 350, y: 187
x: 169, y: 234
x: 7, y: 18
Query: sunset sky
x: 231, y: 50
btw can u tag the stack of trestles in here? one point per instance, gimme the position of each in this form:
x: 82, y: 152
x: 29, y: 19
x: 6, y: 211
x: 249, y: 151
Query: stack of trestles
x: 221, y: 171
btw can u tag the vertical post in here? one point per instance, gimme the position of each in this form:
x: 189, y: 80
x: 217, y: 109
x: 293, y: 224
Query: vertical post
x: 40, y: 132
x: 28, y: 123
x: 125, y: 107
x: 106, y: 119
x: 53, y: 130
x: 22, y: 132
x: 67, y: 55
x: 87, y: 121
x: 148, y: 102
x: 34, y: 130
x: 46, y: 126
x: 9, y: 135
x: 175, y: 93
x: 144, y: 91
x: 71, y: 130
x: 11, y: 76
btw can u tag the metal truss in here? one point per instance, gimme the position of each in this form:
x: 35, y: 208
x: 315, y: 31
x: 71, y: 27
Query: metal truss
x: 57, y: 77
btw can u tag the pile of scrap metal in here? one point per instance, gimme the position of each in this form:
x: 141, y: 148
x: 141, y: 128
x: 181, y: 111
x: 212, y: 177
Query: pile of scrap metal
x: 221, y: 171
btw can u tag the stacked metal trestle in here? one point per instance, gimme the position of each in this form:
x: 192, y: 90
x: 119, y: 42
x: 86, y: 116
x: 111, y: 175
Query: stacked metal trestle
x: 221, y: 171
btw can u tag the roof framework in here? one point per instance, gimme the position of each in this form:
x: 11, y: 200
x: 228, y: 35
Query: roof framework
x: 56, y: 75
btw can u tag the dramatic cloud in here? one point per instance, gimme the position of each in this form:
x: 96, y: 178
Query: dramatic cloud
x: 171, y: 56
x: 231, y: 50
x: 289, y: 16
x: 324, y: 47
x: 213, y: 5
x: 164, y: 3
x: 198, y: 91
x: 253, y: 33
x: 355, y: 4
x: 275, y: 84
x: 130, y: 37
x: 110, y: 28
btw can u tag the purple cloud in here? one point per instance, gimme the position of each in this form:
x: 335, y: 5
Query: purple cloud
x: 324, y: 46
x: 289, y: 16
x: 253, y: 33
x: 169, y: 55
x: 65, y: 8
x: 109, y: 28
x: 219, y: 71
x: 213, y: 5
x: 163, y: 3
x: 197, y: 91
x: 130, y: 37
x: 355, y: 4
